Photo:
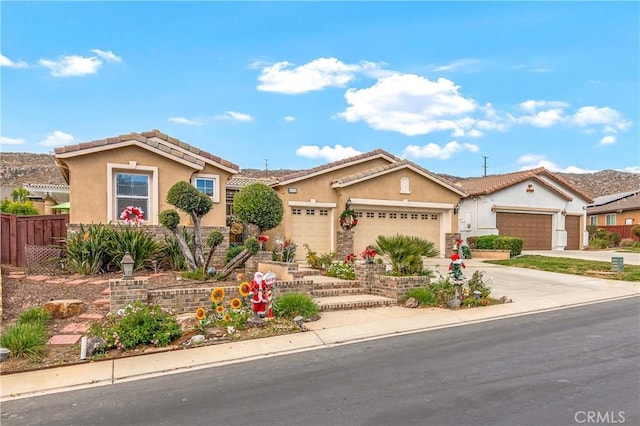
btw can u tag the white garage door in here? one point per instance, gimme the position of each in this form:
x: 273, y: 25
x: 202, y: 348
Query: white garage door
x: 375, y: 222
x: 311, y: 226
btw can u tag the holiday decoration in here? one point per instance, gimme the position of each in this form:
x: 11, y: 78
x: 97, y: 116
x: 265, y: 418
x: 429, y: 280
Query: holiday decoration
x: 132, y: 215
x: 348, y: 219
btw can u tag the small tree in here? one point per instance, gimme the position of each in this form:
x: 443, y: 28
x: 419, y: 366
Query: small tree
x: 196, y: 204
x: 20, y: 195
x: 259, y: 205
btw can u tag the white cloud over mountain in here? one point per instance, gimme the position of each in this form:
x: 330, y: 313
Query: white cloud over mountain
x: 327, y: 153
x: 57, y: 138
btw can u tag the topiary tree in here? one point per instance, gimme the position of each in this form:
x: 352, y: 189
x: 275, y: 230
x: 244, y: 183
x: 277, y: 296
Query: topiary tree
x: 259, y: 205
x: 196, y: 204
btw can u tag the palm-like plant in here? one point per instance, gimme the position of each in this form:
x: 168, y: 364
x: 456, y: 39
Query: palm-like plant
x: 405, y: 253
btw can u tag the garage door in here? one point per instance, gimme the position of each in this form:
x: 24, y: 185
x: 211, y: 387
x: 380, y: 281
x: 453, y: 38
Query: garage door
x: 534, y: 229
x: 311, y: 226
x: 372, y: 223
x: 572, y: 226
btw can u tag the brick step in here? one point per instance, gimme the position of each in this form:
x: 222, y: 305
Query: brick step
x: 330, y: 284
x: 306, y: 273
x: 355, y: 301
x: 341, y: 291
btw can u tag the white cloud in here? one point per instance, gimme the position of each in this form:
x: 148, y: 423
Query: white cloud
x: 327, y: 153
x: 289, y: 118
x: 532, y: 106
x: 57, y: 138
x: 182, y: 120
x: 432, y: 150
x: 533, y: 161
x: 318, y: 74
x: 631, y: 169
x: 409, y: 104
x: 543, y: 118
x: 10, y: 141
x: 6, y: 62
x: 467, y: 63
x: 108, y: 56
x: 608, y: 140
x: 76, y: 65
x: 234, y: 116
x: 609, y: 117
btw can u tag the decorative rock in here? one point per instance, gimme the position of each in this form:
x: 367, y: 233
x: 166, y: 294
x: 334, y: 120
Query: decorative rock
x: 94, y: 344
x: 4, y: 354
x: 187, y: 321
x: 197, y: 339
x: 454, y: 303
x: 505, y: 299
x: 255, y: 322
x: 411, y: 303
x: 215, y: 332
x: 65, y: 308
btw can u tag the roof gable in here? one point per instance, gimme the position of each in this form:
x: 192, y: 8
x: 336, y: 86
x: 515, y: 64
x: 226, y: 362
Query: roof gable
x: 494, y: 183
x: 403, y: 164
x: 337, y: 165
x: 154, y: 141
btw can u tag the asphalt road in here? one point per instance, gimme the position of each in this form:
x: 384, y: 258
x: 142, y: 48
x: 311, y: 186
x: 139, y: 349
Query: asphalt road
x: 563, y: 367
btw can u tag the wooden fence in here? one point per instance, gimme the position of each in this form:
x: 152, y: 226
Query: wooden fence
x: 623, y: 230
x: 16, y: 232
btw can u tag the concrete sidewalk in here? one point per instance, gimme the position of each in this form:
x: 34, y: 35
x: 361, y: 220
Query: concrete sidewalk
x: 531, y: 291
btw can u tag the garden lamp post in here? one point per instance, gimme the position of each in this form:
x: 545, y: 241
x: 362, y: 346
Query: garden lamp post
x: 127, y: 266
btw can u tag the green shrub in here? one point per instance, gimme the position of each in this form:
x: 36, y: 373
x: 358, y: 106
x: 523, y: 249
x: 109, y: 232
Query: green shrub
x: 342, y: 270
x: 25, y: 340
x: 485, y: 242
x: 498, y: 242
x: 476, y: 283
x: 405, y: 253
x: 139, y: 324
x: 316, y: 261
x: 194, y: 274
x: 598, y: 243
x: 424, y: 296
x: 233, y: 251
x: 141, y: 246
x: 87, y: 250
x: 252, y: 245
x: 34, y: 316
x: 291, y: 305
x: 443, y: 291
x: 19, y: 208
x: 635, y: 229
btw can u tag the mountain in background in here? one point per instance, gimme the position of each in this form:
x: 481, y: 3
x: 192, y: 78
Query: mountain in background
x: 19, y: 168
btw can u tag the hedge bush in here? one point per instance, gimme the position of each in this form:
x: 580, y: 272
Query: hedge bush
x: 497, y: 242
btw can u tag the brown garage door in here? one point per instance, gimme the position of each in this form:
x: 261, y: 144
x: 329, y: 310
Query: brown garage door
x: 572, y: 226
x: 534, y: 229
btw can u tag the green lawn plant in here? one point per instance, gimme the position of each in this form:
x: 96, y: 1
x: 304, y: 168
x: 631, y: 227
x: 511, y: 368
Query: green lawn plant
x: 27, y: 338
x: 137, y: 324
x: 404, y: 253
x: 141, y: 246
x: 571, y: 266
x: 87, y: 250
x: 291, y: 305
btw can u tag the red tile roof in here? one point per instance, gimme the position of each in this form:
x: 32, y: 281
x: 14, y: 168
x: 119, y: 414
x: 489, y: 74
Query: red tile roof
x: 490, y: 184
x: 171, y: 146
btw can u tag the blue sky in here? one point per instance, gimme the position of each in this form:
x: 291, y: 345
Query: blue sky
x: 299, y: 84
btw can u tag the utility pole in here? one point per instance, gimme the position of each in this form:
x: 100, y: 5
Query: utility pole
x: 484, y: 167
x: 266, y: 168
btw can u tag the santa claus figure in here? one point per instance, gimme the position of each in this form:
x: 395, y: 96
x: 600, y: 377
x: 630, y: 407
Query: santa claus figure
x: 270, y: 281
x: 258, y: 294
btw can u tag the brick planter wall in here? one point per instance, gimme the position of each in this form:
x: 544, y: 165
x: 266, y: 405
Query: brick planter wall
x: 491, y: 254
x: 124, y: 292
x: 373, y: 278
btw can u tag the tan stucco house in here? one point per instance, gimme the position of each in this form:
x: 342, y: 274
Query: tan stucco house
x: 618, y: 209
x: 389, y: 195
x: 107, y: 175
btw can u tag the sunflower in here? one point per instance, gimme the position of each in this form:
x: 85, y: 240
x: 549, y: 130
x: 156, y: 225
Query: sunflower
x: 217, y: 294
x: 227, y: 317
x: 236, y: 303
x: 200, y: 313
x: 244, y: 289
x: 219, y: 309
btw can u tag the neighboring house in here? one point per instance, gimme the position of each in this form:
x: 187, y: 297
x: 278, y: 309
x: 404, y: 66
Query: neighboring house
x: 390, y: 196
x: 105, y: 176
x: 615, y: 209
x: 536, y: 205
x: 46, y: 196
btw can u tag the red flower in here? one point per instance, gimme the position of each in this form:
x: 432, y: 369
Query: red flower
x: 263, y: 238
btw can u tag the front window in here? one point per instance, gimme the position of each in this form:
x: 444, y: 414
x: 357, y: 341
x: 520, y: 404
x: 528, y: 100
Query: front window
x: 610, y: 219
x: 208, y: 185
x: 132, y: 190
x: 593, y: 220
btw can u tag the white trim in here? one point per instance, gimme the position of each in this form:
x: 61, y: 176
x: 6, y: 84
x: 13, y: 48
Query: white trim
x: 152, y: 214
x: 403, y: 203
x: 216, y: 189
x: 312, y: 203
x: 514, y: 209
